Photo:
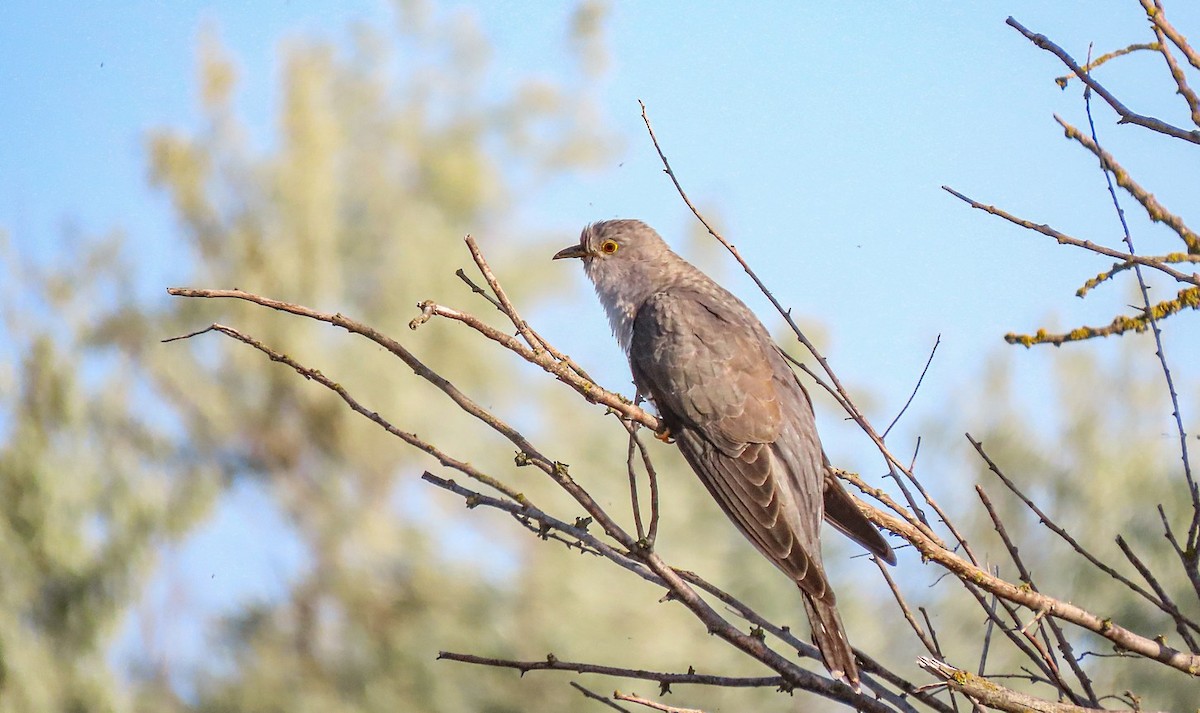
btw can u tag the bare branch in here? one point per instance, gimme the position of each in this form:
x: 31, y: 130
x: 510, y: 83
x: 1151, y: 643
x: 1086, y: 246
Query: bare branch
x: 1181, y: 84
x: 409, y: 438
x: 1164, y: 31
x: 1154, y: 210
x: 1127, y: 116
x: 578, y: 531
x: 560, y: 369
x: 1064, y: 239
x: 1181, y: 622
x: 1023, y: 596
x: 551, y: 663
x: 651, y: 476
x: 987, y: 692
x: 1154, y: 11
x: 633, y: 488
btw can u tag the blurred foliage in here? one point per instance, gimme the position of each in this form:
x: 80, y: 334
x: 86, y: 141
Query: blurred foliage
x: 116, y: 447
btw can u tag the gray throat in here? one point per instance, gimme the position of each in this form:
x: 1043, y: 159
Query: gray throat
x: 622, y: 292
x: 621, y: 303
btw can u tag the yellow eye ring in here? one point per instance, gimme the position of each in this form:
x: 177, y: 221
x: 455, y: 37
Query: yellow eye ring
x: 608, y: 247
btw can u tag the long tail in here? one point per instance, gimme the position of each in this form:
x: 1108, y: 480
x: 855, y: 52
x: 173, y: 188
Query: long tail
x: 830, y: 637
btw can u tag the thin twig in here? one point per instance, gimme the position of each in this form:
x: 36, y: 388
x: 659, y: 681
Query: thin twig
x: 916, y: 388
x: 1102, y: 59
x: 1186, y: 558
x: 651, y: 476
x: 927, y: 642
x: 633, y: 489
x: 597, y: 697
x: 634, y: 698
x: 560, y: 369
x: 506, y: 306
x: 1119, y: 267
x: 1181, y: 622
x: 478, y: 290
x: 1049, y: 523
x: 857, y: 481
x: 987, y: 631
x: 1064, y: 239
x: 527, y: 511
x: 535, y: 340
x: 409, y: 438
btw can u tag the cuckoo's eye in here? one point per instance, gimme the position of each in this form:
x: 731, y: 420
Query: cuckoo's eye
x: 608, y: 247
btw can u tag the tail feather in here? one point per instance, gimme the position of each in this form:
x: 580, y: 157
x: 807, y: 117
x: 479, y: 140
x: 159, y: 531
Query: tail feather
x: 830, y: 637
x: 842, y: 513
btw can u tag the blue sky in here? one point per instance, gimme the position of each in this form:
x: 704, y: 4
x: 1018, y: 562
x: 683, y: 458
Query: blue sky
x: 817, y: 133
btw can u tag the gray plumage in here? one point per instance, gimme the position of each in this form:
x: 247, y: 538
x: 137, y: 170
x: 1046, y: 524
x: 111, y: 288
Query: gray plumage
x: 735, y: 409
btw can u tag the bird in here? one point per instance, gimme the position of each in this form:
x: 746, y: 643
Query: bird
x: 728, y: 399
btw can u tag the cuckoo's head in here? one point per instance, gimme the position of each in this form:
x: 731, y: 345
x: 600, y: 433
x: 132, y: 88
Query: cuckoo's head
x: 615, y: 248
x: 627, y: 262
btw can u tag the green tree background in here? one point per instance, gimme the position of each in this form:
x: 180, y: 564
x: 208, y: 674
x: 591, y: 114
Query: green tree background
x: 117, y: 448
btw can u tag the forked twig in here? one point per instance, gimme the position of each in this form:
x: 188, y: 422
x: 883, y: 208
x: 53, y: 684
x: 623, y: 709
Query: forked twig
x: 1127, y: 116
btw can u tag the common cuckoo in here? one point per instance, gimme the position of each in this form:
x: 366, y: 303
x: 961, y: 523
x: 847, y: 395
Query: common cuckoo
x: 734, y: 407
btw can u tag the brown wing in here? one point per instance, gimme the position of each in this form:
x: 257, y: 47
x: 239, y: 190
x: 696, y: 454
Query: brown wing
x: 709, y: 367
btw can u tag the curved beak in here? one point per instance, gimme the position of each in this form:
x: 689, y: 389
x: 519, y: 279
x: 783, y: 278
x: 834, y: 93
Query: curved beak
x: 573, y: 251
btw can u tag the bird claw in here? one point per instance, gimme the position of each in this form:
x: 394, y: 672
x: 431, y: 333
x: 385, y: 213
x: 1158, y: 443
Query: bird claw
x: 665, y: 436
